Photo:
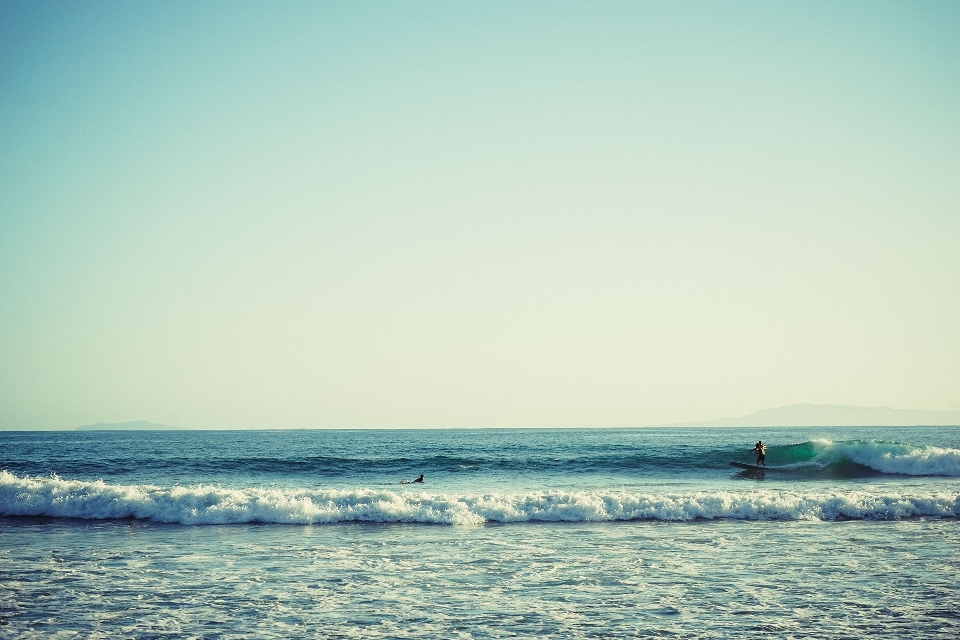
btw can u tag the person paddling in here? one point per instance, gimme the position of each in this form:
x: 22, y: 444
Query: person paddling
x: 420, y: 479
x: 761, y: 450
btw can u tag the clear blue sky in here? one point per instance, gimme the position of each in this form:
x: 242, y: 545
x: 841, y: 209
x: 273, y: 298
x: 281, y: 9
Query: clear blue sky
x: 242, y: 215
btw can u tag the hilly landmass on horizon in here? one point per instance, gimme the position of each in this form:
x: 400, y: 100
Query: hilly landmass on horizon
x: 795, y: 415
x: 835, y: 415
x: 136, y: 425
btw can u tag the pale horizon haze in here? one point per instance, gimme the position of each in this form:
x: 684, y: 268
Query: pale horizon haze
x: 498, y: 214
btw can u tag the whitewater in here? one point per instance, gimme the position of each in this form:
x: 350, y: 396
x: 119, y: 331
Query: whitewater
x: 522, y: 533
x: 216, y: 505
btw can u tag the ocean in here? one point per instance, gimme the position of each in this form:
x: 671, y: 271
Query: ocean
x: 561, y: 533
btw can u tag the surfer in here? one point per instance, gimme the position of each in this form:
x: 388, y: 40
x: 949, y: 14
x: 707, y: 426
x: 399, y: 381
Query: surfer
x: 761, y: 451
x: 420, y: 479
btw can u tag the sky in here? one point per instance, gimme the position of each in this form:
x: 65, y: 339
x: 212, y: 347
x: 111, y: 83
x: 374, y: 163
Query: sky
x: 497, y: 214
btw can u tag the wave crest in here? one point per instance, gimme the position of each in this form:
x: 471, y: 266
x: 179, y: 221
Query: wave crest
x: 206, y: 504
x: 880, y: 456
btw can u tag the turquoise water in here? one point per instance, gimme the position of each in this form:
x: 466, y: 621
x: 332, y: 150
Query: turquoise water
x: 578, y: 534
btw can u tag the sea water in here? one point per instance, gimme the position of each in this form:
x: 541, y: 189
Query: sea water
x: 601, y: 533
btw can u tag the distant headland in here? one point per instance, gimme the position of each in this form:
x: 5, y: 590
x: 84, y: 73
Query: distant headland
x: 835, y: 415
x: 137, y: 425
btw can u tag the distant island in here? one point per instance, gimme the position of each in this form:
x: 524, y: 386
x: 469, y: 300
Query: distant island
x: 138, y: 425
x: 835, y: 415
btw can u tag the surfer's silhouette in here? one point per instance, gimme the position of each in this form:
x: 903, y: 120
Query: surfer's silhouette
x: 420, y: 479
x: 761, y: 451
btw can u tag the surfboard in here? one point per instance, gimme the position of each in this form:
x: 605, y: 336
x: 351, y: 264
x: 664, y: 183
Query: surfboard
x: 751, y: 467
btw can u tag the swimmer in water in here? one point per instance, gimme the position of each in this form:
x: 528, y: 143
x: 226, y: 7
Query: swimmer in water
x: 420, y: 479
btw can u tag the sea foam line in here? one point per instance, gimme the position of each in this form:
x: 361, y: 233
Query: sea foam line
x: 207, y: 504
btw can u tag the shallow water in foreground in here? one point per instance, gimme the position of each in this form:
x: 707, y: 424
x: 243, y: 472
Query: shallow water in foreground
x: 580, y: 580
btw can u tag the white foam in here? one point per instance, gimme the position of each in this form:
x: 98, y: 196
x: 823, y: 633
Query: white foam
x: 892, y: 457
x: 206, y: 504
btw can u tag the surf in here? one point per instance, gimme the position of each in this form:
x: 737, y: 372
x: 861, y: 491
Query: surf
x: 213, y: 505
x: 853, y: 458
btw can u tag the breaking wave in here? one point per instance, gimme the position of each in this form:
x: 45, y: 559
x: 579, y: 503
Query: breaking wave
x: 208, y: 504
x: 875, y: 455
